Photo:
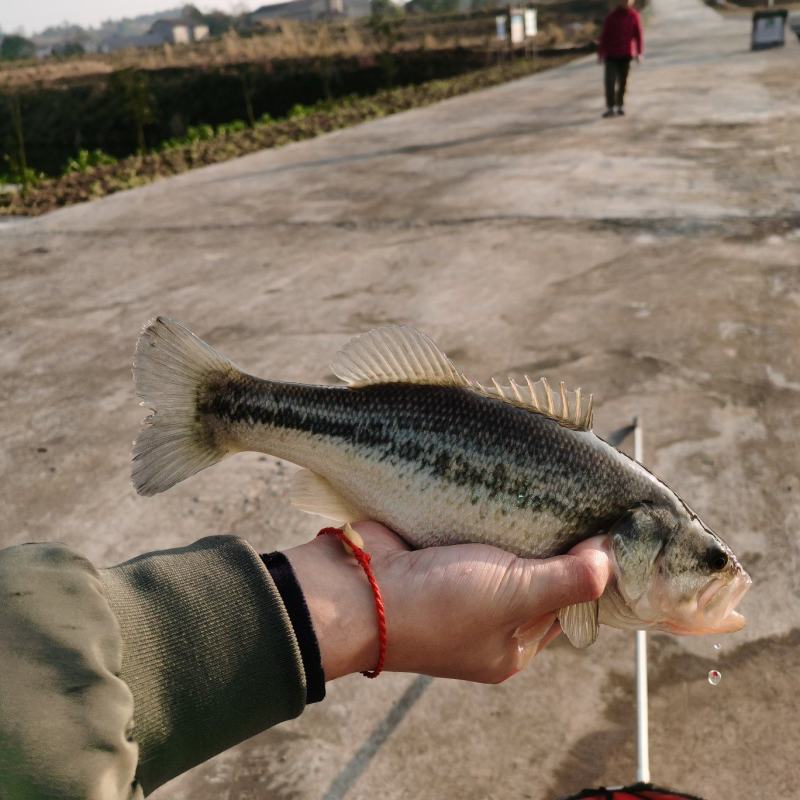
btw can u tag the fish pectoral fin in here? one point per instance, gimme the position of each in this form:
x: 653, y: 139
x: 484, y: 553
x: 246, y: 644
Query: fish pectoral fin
x: 579, y: 623
x: 313, y: 494
x: 394, y: 354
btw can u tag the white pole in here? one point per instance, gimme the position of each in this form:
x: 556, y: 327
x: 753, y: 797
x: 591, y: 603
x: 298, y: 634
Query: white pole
x: 642, y: 743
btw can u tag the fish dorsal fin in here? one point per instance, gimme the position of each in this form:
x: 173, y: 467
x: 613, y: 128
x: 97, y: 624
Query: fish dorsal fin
x: 394, y: 354
x: 402, y: 354
x: 568, y: 408
x: 313, y: 494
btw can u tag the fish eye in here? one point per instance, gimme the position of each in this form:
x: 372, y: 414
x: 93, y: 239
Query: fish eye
x: 716, y: 558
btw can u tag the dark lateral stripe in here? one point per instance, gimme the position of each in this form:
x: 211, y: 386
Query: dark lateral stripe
x: 451, y: 434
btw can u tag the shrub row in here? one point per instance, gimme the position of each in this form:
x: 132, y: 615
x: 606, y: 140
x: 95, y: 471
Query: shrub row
x: 232, y: 140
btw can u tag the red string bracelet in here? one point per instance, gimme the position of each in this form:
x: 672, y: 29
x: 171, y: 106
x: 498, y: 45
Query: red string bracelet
x: 364, y: 559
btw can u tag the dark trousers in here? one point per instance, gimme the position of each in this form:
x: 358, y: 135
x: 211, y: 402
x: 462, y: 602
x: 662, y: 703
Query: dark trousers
x: 616, y: 79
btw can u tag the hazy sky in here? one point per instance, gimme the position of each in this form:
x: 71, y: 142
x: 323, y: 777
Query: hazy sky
x: 34, y: 15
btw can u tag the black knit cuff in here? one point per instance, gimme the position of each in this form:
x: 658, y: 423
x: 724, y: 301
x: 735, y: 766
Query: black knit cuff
x: 292, y: 595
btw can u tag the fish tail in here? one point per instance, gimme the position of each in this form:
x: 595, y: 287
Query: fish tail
x: 173, y: 372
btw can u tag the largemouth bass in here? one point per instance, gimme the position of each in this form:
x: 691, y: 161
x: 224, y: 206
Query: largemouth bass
x: 411, y: 442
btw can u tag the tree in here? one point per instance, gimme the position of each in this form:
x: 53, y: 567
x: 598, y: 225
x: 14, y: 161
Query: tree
x: 69, y: 49
x: 14, y: 47
x: 385, y: 20
x: 191, y: 13
x: 218, y: 22
x: 130, y: 87
x: 18, y: 160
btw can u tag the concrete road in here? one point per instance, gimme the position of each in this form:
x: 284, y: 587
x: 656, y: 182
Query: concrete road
x: 654, y: 260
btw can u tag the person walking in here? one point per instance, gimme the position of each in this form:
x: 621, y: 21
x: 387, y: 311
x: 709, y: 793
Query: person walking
x: 620, y: 42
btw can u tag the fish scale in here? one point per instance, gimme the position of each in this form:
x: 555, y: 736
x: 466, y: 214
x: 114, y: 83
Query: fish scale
x: 447, y: 436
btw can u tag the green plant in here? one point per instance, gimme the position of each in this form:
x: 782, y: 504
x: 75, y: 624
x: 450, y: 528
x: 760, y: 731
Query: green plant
x: 228, y: 128
x: 199, y: 133
x: 88, y: 159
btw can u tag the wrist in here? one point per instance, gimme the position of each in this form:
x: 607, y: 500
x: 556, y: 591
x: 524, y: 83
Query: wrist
x: 341, y: 605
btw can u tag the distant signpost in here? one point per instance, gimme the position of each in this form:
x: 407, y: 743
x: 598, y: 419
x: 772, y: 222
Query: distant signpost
x: 517, y: 26
x: 502, y: 28
x: 769, y: 28
x: 531, y: 27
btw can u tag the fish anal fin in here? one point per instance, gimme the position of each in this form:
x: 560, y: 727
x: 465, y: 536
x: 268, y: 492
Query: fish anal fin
x: 394, y: 354
x: 579, y: 622
x: 315, y: 495
x: 569, y: 408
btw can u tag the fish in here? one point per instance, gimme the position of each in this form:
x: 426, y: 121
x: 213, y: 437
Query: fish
x: 410, y: 441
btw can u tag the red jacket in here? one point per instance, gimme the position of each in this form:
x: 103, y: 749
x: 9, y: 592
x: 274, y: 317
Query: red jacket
x: 622, y: 35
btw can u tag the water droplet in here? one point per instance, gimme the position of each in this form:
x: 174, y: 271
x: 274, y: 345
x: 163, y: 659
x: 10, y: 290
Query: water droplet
x: 521, y: 500
x: 718, y: 646
x: 714, y: 677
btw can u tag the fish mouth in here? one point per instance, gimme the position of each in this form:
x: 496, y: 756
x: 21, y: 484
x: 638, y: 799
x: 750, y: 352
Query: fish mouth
x: 716, y: 607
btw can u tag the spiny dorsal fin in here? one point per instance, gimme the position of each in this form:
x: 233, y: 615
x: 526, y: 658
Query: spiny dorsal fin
x: 394, y: 354
x: 567, y: 408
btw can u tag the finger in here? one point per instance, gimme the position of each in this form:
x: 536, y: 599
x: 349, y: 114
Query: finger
x: 597, y: 543
x: 553, y: 633
x: 553, y: 583
x: 533, y: 638
x: 531, y: 634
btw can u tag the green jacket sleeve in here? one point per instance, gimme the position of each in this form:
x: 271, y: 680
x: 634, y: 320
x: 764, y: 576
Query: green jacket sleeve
x: 114, y: 681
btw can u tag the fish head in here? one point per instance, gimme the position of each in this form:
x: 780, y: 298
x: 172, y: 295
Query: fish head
x: 673, y: 574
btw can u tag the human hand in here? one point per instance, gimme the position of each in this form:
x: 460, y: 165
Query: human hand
x: 471, y: 612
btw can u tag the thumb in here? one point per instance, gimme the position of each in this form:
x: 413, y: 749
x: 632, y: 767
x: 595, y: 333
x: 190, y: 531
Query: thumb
x: 553, y: 583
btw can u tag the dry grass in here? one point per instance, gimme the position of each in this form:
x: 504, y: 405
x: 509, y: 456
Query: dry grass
x: 289, y: 39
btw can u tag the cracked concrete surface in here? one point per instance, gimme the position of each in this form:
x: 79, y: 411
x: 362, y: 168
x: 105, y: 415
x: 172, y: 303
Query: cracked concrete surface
x: 654, y: 260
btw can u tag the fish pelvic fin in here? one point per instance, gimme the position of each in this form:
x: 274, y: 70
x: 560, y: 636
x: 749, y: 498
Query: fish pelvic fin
x: 172, y: 370
x: 580, y: 623
x: 313, y: 494
x: 394, y: 354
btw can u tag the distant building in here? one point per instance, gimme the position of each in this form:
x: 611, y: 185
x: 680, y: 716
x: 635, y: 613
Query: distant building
x: 164, y: 31
x: 357, y: 8
x: 301, y: 10
x: 175, y: 31
x: 171, y: 31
